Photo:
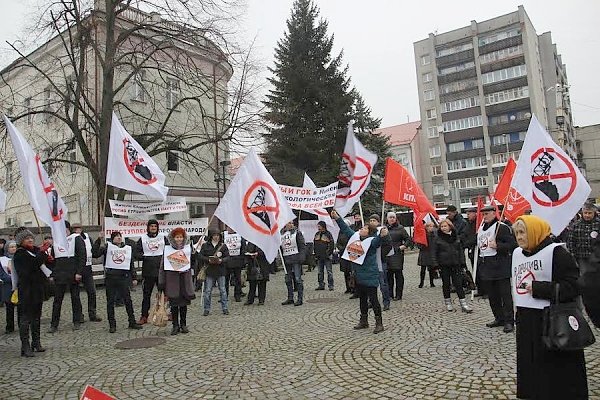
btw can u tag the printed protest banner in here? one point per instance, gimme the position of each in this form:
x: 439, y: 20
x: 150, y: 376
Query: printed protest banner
x: 134, y: 208
x: 302, y: 198
x: 138, y: 227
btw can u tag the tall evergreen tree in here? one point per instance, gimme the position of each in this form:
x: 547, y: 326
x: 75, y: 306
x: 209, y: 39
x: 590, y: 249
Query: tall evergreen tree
x: 310, y: 104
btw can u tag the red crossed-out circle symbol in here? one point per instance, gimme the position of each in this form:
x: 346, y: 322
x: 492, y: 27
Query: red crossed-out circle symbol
x: 118, y: 257
x: 132, y: 164
x: 248, y: 211
x: 571, y: 175
x: 362, y: 178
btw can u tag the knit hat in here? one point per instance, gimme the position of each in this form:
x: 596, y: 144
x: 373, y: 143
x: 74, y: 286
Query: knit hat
x: 537, y: 229
x: 152, y: 222
x: 21, y: 234
x: 376, y: 217
x: 391, y: 214
x: 322, y: 223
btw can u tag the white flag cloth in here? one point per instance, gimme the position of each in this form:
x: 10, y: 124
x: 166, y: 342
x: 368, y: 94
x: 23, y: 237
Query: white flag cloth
x: 321, y: 213
x: 130, y: 167
x: 355, y: 173
x: 2, y: 200
x: 43, y: 196
x: 254, y: 206
x: 548, y: 178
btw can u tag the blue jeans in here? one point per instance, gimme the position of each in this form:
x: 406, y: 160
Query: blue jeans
x: 294, y: 272
x: 325, y: 263
x: 383, y: 285
x: 208, y: 287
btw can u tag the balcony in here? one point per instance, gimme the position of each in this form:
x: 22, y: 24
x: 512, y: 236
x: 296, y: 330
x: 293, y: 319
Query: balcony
x: 516, y: 126
x: 501, y: 44
x: 501, y: 64
x: 467, y: 173
x: 506, y: 106
x: 457, y: 76
x: 505, y: 85
x: 459, y: 155
x: 461, y: 94
x: 467, y: 55
x: 463, y: 134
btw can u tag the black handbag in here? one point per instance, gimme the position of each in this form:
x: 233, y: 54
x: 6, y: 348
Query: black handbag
x: 565, y: 327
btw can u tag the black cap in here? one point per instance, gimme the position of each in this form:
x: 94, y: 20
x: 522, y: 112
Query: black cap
x: 451, y: 208
x: 152, y: 222
x: 375, y: 217
x: 472, y: 209
x: 489, y: 208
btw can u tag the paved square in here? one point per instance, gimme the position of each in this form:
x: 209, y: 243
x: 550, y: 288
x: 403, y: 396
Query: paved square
x: 277, y: 352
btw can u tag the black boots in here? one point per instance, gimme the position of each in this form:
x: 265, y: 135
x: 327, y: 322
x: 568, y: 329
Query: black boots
x: 378, y: 325
x: 363, y: 323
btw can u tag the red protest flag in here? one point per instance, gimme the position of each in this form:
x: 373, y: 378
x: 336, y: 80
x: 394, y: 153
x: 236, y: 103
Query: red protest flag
x: 514, y: 204
x: 419, y: 234
x: 401, y: 188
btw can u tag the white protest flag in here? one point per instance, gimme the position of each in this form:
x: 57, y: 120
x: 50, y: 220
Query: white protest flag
x: 355, y: 173
x: 255, y: 207
x: 2, y: 200
x: 43, y: 196
x: 549, y: 179
x: 130, y: 167
x: 321, y: 213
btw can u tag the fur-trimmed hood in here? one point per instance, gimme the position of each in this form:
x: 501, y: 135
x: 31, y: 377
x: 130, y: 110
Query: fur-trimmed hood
x: 171, y: 239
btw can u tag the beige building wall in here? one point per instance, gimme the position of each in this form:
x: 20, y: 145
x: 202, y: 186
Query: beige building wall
x: 588, y: 143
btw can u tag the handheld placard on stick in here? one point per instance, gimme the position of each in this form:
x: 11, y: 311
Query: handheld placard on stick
x: 362, y: 218
x: 382, y: 211
x: 282, y: 261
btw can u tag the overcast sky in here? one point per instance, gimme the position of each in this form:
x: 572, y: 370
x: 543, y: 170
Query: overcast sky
x: 377, y: 38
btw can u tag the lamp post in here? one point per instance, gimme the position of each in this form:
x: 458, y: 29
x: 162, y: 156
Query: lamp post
x: 223, y: 179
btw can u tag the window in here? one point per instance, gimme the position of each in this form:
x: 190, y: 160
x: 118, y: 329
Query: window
x: 460, y: 104
x: 173, y: 161
x: 428, y: 95
x: 454, y: 49
x: 466, y: 163
x: 435, y: 151
x: 426, y: 59
x: 72, y: 154
x: 468, y: 183
x: 457, y: 68
x: 431, y: 114
x: 510, y: 117
x: 438, y: 189
x: 9, y: 174
x: 454, y: 147
x: 139, y: 91
x: 502, y: 158
x: 427, y: 77
x: 504, y: 74
x: 494, y: 37
x: 464, y: 123
x: 28, y: 110
x: 172, y: 92
x: 436, y: 170
x: 477, y: 143
x: 432, y: 132
x: 514, y: 137
x: 458, y: 86
x: 507, y: 95
x: 501, y: 54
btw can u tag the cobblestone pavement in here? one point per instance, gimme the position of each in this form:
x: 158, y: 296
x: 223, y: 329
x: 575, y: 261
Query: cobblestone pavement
x: 277, y: 352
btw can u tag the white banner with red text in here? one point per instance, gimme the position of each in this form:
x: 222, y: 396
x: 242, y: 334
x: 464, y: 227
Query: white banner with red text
x: 138, y: 227
x: 134, y: 208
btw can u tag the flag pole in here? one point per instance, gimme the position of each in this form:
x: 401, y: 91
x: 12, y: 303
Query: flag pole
x: 37, y: 221
x: 282, y: 261
x: 382, y: 211
x: 475, y: 259
x: 201, y: 241
x: 362, y: 218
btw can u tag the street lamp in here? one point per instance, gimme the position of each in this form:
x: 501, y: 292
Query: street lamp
x: 224, y: 164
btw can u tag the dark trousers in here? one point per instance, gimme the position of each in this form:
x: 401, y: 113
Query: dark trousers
x: 30, y: 321
x: 453, y: 273
x: 349, y: 285
x: 262, y: 291
x: 500, y: 297
x: 234, y: 276
x: 368, y: 294
x: 59, y: 294
x: 425, y: 268
x: 179, y: 314
x: 397, y: 275
x: 87, y: 279
x: 10, y: 316
x: 118, y: 286
x: 147, y: 288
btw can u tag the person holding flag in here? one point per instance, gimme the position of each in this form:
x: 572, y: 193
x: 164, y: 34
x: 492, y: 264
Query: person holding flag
x: 496, y: 243
x: 400, y: 241
x: 362, y: 252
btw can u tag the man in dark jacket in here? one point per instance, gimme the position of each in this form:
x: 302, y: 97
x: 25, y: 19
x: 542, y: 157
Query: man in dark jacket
x: 150, y: 250
x: 457, y: 219
x: 581, y: 238
x: 87, y: 278
x: 293, y: 249
x: 323, y: 245
x: 496, y: 243
x: 68, y: 268
x: 395, y: 255
x: 236, y: 246
x: 214, y: 256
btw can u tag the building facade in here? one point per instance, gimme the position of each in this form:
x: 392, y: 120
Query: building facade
x: 588, y: 150
x: 151, y: 102
x: 404, y: 144
x: 478, y: 88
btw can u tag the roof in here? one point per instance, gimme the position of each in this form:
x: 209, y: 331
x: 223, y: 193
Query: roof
x: 400, y: 134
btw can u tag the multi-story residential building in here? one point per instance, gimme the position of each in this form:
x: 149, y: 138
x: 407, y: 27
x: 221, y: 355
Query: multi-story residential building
x: 588, y: 152
x: 148, y: 98
x: 478, y: 88
x: 404, y: 147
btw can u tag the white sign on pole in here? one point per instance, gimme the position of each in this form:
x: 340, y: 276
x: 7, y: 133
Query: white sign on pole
x: 136, y: 228
x: 133, y: 208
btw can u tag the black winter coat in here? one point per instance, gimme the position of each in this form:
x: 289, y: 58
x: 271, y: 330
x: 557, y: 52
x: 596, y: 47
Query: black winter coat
x: 323, y: 244
x: 256, y: 264
x: 99, y: 250
x: 237, y: 262
x: 447, y: 250
x: 543, y: 374
x: 150, y: 265
x: 426, y: 256
x: 301, y: 255
x: 399, y: 237
x: 469, y: 235
x: 32, y: 281
x: 65, y: 268
x: 207, y: 250
x: 460, y: 224
x: 342, y: 242
x: 498, y: 266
